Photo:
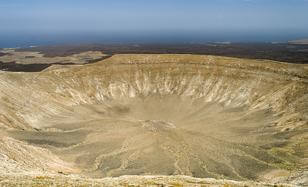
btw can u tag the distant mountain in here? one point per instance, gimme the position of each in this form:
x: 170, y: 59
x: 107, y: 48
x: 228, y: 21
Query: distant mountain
x: 299, y: 42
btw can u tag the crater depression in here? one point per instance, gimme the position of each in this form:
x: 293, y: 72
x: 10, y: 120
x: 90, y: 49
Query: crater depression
x: 201, y: 116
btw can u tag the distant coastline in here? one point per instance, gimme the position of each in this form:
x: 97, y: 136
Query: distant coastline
x: 299, y: 42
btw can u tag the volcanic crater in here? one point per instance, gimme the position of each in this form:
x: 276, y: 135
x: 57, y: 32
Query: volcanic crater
x: 196, y: 115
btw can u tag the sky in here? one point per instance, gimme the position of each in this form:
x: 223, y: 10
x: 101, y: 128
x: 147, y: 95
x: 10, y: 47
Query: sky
x: 233, y: 18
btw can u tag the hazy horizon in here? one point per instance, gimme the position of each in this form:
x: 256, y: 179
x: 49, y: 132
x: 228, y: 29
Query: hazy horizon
x: 35, y: 22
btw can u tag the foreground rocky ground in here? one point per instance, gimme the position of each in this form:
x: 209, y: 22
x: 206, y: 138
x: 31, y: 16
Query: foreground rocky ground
x: 128, y: 181
x: 188, y: 115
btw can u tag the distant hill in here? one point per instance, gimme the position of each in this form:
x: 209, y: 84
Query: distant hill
x: 299, y: 42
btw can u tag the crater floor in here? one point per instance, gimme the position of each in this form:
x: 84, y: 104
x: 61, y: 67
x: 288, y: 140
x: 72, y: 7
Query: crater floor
x: 200, y: 116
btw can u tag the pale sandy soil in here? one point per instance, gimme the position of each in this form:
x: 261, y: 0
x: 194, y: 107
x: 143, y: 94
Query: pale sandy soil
x: 38, y: 58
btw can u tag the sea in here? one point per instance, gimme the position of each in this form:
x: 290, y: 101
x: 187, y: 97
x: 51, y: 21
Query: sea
x: 28, y: 39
